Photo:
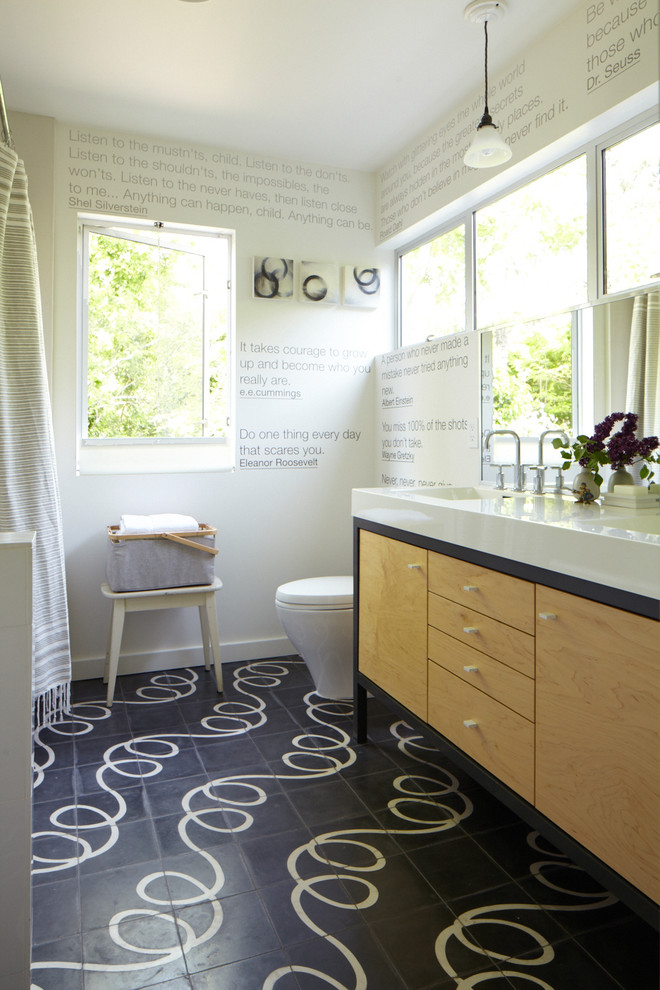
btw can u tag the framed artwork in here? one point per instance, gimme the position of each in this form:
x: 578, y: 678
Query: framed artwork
x: 361, y: 286
x: 272, y: 278
x: 319, y: 282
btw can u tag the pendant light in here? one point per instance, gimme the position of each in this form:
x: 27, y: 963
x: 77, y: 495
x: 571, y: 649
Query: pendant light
x: 488, y: 148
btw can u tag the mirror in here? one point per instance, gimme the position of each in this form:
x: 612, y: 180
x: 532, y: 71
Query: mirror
x: 563, y: 372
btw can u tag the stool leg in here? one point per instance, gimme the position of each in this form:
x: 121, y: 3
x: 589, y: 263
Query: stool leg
x: 210, y: 621
x: 206, y: 636
x: 114, y: 645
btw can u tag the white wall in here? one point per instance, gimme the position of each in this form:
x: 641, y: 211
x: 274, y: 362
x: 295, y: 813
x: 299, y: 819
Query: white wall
x: 274, y: 524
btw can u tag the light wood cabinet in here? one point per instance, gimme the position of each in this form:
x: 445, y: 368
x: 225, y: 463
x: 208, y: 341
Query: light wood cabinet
x: 598, y: 731
x: 555, y: 694
x: 392, y: 618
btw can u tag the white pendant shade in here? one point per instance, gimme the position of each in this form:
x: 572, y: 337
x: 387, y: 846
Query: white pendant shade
x: 487, y: 149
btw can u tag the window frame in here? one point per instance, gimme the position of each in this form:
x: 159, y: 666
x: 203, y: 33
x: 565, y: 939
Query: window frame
x: 138, y: 455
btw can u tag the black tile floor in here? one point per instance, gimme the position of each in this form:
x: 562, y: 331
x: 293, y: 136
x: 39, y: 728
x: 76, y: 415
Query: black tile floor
x: 189, y: 842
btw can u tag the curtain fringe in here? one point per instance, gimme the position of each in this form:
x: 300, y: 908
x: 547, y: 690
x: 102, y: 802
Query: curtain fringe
x: 51, y: 705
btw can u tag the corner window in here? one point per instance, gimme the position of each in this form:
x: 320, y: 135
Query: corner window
x: 155, y: 317
x: 631, y: 208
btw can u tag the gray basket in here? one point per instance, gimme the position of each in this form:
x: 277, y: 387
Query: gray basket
x: 146, y: 562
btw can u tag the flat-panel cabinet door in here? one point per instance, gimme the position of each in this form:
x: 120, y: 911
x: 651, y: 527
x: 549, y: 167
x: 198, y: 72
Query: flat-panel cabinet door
x: 598, y: 731
x: 392, y: 619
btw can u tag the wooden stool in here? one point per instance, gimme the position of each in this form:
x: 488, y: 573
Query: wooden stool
x: 145, y: 601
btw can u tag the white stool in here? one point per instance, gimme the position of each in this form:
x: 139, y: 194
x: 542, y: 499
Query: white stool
x: 144, y: 601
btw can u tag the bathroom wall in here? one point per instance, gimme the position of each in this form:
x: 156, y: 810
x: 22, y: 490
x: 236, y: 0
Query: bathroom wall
x: 278, y: 518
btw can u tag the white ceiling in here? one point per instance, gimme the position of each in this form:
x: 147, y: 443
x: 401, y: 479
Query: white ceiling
x: 338, y: 82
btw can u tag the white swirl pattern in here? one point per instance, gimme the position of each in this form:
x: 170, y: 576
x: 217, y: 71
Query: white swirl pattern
x: 425, y: 800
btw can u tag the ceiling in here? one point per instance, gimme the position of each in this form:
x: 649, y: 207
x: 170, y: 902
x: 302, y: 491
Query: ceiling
x: 339, y: 82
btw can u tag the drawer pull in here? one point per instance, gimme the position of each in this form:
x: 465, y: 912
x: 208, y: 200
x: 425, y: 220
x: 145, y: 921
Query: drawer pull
x: 470, y: 723
x: 471, y: 669
x: 470, y: 587
x: 547, y: 616
x: 415, y: 567
x: 470, y: 629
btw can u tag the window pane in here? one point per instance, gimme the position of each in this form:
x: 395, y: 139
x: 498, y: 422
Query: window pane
x: 632, y: 210
x: 532, y: 376
x: 156, y: 340
x: 433, y: 288
x: 531, y: 248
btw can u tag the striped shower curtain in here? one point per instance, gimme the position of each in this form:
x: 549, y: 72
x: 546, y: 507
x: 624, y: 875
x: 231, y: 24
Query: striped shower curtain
x: 29, y: 496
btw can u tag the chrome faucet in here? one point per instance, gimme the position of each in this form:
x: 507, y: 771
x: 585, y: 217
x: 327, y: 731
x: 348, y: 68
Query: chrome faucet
x: 542, y: 466
x: 518, y: 470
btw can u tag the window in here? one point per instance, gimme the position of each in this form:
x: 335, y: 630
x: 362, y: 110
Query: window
x: 530, y: 368
x: 155, y: 317
x: 433, y: 288
x: 531, y: 248
x: 631, y: 207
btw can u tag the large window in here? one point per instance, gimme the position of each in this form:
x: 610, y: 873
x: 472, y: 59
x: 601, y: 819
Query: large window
x: 531, y: 260
x: 155, y: 317
x: 631, y: 207
x: 531, y: 248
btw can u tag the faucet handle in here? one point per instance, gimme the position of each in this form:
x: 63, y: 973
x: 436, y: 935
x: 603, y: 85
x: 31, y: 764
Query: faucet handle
x: 499, y: 481
x: 539, y: 480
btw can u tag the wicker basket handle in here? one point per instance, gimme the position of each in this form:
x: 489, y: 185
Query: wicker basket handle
x: 190, y: 543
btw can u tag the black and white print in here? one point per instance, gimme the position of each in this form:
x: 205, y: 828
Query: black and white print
x: 272, y: 278
x: 361, y: 286
x: 319, y: 282
x: 183, y: 842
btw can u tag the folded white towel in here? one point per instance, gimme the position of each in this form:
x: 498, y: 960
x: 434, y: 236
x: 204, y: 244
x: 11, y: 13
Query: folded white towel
x: 164, y: 522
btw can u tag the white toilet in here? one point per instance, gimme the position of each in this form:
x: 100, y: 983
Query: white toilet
x: 317, y: 616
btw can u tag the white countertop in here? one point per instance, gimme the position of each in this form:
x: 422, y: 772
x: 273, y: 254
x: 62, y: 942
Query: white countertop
x: 615, y: 547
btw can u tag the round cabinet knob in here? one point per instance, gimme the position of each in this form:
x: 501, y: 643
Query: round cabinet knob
x: 548, y: 616
x: 470, y: 723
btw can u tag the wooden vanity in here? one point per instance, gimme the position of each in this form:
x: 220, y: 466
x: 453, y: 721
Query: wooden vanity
x: 545, y: 687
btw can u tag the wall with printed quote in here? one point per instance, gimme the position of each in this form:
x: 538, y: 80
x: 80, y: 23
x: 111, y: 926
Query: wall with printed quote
x: 303, y: 383
x: 427, y: 401
x: 602, y: 54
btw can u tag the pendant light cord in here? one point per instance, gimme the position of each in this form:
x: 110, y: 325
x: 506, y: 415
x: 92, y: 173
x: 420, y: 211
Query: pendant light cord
x: 486, y: 66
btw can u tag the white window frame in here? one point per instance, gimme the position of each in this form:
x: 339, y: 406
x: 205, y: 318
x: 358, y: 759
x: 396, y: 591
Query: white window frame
x: 144, y: 455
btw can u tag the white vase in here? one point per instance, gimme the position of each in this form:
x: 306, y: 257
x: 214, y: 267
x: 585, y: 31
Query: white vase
x: 591, y: 490
x: 620, y: 477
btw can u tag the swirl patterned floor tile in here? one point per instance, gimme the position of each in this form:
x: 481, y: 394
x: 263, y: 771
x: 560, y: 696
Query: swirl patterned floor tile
x: 186, y: 841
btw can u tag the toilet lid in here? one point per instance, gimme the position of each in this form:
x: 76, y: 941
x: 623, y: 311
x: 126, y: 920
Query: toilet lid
x: 318, y: 591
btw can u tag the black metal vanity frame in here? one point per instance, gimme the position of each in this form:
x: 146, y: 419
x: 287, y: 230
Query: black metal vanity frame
x: 635, y: 899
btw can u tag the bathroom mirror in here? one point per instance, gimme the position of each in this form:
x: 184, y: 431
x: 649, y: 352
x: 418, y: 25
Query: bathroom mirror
x: 562, y: 372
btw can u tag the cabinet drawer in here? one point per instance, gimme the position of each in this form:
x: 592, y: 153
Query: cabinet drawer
x: 501, y: 596
x: 501, y: 740
x: 505, y: 685
x: 498, y: 640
